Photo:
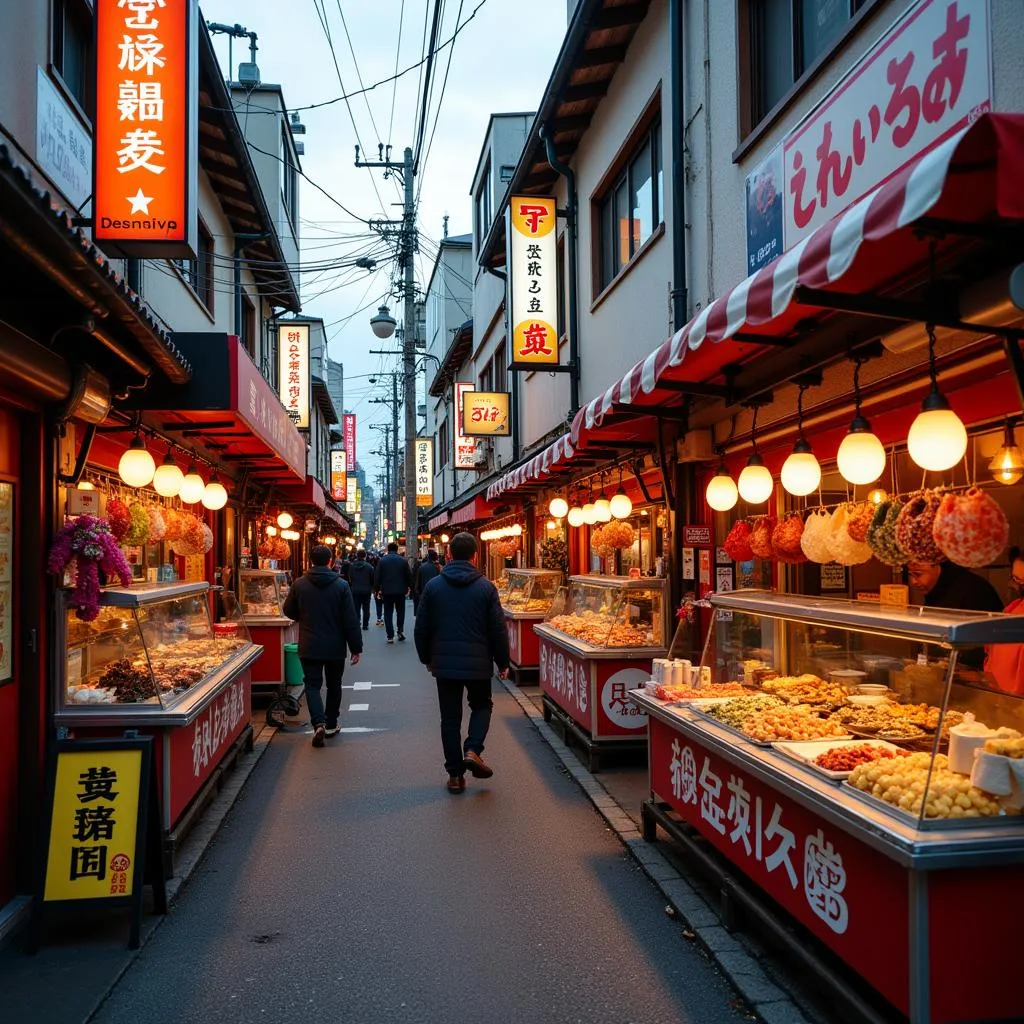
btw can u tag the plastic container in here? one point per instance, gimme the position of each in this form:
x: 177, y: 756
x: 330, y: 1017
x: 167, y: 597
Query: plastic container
x: 292, y: 665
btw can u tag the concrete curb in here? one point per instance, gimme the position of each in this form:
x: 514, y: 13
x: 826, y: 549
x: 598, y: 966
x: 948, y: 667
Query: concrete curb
x: 193, y: 850
x: 771, y: 1004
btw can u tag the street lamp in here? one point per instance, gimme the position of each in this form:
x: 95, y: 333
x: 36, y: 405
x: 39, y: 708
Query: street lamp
x: 383, y: 324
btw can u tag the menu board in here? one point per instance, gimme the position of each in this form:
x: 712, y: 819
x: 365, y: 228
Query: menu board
x: 6, y: 581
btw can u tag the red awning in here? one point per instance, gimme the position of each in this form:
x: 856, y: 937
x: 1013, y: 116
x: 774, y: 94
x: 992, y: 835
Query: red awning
x: 335, y: 516
x: 478, y: 508
x: 438, y: 521
x: 230, y: 408
x: 309, y: 495
x: 970, y: 180
x: 558, y: 454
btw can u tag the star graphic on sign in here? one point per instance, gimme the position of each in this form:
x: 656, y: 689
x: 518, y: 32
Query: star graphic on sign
x: 140, y: 202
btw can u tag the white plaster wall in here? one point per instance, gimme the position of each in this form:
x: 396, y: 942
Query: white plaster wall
x: 633, y: 316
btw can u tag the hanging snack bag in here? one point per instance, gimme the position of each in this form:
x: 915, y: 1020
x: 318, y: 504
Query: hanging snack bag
x: 970, y: 529
x: 914, y: 527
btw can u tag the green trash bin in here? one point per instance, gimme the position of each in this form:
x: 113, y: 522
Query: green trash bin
x: 292, y: 665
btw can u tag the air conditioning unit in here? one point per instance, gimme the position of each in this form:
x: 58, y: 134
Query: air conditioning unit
x: 695, y: 447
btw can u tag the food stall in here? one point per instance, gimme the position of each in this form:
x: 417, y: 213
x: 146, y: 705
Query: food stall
x: 153, y: 660
x: 597, y: 642
x: 869, y: 782
x: 262, y: 593
x: 526, y: 598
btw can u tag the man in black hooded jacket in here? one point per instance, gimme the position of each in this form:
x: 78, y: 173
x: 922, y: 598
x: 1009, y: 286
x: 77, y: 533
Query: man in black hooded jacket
x: 322, y: 603
x: 460, y: 636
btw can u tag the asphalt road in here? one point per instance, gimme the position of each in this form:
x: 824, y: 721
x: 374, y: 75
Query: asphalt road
x: 348, y: 885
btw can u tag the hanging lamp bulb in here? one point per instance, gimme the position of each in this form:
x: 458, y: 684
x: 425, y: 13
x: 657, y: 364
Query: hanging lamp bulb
x: 878, y: 495
x: 168, y: 477
x: 861, y: 456
x: 801, y: 473
x: 938, y: 439
x: 575, y: 516
x: 721, y: 492
x: 215, y: 495
x: 284, y: 520
x: 558, y: 508
x: 589, y: 513
x: 136, y: 466
x: 192, y: 487
x: 755, y: 483
x: 1007, y: 465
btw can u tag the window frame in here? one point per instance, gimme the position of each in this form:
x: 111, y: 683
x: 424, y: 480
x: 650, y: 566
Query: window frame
x: 289, y: 178
x: 499, y: 367
x: 443, y: 444
x: 198, y: 273
x: 86, y: 10
x: 248, y: 326
x: 752, y: 129
x: 483, y: 205
x: 647, y: 128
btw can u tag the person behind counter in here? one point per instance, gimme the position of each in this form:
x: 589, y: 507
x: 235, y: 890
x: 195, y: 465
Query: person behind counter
x: 945, y: 585
x: 1005, y: 662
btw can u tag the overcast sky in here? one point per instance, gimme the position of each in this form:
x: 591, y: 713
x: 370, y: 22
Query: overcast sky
x: 500, y: 61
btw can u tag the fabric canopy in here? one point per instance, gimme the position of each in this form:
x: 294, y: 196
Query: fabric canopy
x: 972, y: 177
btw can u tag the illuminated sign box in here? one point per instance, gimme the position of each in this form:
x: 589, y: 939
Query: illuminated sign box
x: 533, y: 281
x: 146, y: 130
x: 485, y: 414
x: 293, y: 371
x: 424, y: 472
x: 339, y: 475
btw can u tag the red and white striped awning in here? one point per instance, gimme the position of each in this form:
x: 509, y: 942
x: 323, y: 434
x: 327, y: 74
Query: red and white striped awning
x: 974, y: 176
x: 556, y: 454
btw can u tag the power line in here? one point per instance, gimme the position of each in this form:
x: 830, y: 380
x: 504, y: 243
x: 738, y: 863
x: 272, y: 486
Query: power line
x: 426, y: 85
x: 398, y: 53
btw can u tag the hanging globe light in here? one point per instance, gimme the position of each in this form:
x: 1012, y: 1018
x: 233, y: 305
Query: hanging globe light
x: 284, y: 520
x: 861, y: 456
x: 755, y: 483
x: 136, y: 466
x: 937, y: 438
x: 1007, y: 465
x: 558, y: 508
x: 589, y: 513
x: 192, y: 487
x: 215, y: 495
x: 603, y: 510
x: 721, y: 492
x: 877, y: 495
x: 575, y: 516
x: 168, y: 477
x: 801, y: 473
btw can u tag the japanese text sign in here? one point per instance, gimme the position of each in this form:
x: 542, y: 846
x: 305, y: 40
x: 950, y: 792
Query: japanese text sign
x: 924, y: 80
x: 293, y: 371
x: 348, y: 426
x: 485, y: 414
x: 566, y: 680
x: 533, y: 281
x: 831, y: 882
x: 95, y: 823
x: 697, y: 536
x: 145, y: 140
x: 339, y: 474
x: 424, y: 472
x: 465, y: 446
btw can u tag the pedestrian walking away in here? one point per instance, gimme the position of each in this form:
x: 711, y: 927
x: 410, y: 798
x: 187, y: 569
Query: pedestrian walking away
x: 392, y: 582
x: 425, y: 572
x: 321, y: 602
x: 360, y: 579
x: 460, y: 636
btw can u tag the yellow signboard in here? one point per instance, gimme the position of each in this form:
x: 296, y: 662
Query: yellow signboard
x: 533, y: 281
x: 485, y: 414
x: 94, y: 824
x: 424, y: 472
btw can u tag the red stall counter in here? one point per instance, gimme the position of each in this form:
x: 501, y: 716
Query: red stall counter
x: 154, y: 661
x: 526, y: 598
x: 262, y: 593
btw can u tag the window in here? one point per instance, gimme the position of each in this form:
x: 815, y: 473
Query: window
x: 73, y: 56
x: 441, y: 451
x: 786, y: 37
x: 484, y: 212
x: 249, y: 326
x: 198, y: 273
x: 500, y: 368
x: 487, y: 378
x: 631, y: 207
x: 289, y: 177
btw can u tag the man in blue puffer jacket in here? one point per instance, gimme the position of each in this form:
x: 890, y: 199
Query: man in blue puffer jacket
x: 460, y: 636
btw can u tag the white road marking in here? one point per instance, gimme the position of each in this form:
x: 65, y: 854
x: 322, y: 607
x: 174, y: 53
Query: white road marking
x: 359, y: 707
x: 361, y: 728
x: 362, y: 686
x: 366, y: 686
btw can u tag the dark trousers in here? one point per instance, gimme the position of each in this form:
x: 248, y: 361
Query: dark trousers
x: 379, y: 604
x: 415, y: 602
x: 313, y: 675
x: 363, y: 608
x: 393, y: 604
x: 449, y: 697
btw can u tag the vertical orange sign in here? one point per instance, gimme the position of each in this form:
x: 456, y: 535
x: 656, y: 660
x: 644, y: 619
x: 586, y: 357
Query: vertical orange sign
x: 533, y: 281
x: 144, y: 148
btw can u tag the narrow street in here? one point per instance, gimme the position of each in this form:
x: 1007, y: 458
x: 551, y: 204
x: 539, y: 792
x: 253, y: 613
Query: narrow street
x: 348, y: 885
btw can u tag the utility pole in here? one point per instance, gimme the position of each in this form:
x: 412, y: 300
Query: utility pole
x: 407, y: 249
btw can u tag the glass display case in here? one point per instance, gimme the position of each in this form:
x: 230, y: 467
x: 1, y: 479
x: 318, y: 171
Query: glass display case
x: 530, y: 592
x: 262, y: 592
x: 152, y: 645
x: 909, y: 710
x: 611, y: 612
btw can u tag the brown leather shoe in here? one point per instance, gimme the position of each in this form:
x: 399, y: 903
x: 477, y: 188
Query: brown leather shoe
x: 456, y: 783
x: 474, y: 764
